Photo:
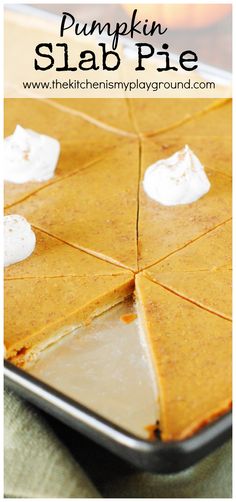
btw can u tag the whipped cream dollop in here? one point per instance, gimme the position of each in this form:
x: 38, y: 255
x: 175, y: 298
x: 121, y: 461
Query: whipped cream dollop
x: 19, y: 239
x: 29, y: 156
x: 180, y: 179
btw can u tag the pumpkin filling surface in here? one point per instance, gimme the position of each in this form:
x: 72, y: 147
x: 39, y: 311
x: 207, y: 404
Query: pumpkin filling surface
x: 100, y: 239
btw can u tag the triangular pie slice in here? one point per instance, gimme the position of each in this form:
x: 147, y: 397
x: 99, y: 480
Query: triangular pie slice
x: 213, y: 151
x: 163, y: 230
x: 201, y: 271
x: 81, y: 141
x: 152, y: 116
x: 191, y: 352
x: 54, y: 258
x: 110, y: 112
x: 96, y: 209
x: 40, y: 311
x: 216, y: 122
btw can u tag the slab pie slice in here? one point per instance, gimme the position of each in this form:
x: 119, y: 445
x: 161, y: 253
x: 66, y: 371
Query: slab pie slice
x: 213, y: 151
x: 172, y: 227
x: 152, y: 116
x: 191, y: 352
x: 53, y: 291
x: 112, y: 113
x: 201, y: 272
x: 81, y: 141
x: 53, y: 258
x: 216, y: 122
x: 39, y: 311
x: 95, y: 209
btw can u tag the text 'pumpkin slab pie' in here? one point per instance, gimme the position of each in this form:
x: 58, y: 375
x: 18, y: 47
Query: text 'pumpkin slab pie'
x: 95, y: 209
x: 81, y: 141
x: 54, y: 258
x: 110, y: 112
x: 152, y: 116
x: 201, y: 271
x: 163, y: 230
x: 34, y: 320
x: 191, y: 351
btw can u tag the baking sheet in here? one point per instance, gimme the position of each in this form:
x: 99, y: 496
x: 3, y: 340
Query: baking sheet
x: 105, y: 366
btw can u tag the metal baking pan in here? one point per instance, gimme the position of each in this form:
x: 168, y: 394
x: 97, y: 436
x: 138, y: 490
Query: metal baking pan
x: 153, y: 456
x: 102, y: 385
x: 99, y: 381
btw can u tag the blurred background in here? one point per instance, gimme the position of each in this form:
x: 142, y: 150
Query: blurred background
x: 205, y: 29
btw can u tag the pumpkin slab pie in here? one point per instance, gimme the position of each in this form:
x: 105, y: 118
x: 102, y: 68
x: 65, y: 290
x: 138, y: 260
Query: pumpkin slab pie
x: 82, y: 142
x: 94, y: 209
x: 191, y: 353
x: 172, y: 227
x: 95, y: 228
x: 57, y: 289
